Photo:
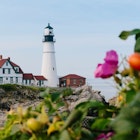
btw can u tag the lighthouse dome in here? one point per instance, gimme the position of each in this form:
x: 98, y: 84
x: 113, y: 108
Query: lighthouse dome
x: 49, y: 27
x: 48, y: 30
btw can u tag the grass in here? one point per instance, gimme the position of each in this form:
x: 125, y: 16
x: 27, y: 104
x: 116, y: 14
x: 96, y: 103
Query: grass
x: 14, y: 87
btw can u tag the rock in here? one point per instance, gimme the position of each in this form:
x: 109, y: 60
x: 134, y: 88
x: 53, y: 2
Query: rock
x: 112, y: 101
x: 83, y: 94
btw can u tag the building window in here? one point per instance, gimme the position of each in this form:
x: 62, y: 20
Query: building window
x: 1, y: 79
x: 11, y: 79
x: 42, y: 82
x: 17, y: 69
x: 6, y: 78
x: 9, y: 71
x: 81, y: 81
x: 26, y: 82
x: 16, y: 79
x: 74, y: 81
x: 6, y: 63
x: 3, y: 70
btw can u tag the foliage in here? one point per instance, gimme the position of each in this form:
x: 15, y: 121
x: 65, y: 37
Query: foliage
x: 15, y: 87
x: 126, y: 124
x: 47, y: 121
x: 34, y: 88
x: 8, y: 87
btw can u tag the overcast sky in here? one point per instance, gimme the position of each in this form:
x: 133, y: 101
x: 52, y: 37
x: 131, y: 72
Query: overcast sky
x: 84, y: 30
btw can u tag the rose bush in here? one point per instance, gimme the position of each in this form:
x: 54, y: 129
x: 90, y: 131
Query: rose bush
x: 126, y: 124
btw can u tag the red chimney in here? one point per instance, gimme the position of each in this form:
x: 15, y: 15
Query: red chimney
x: 0, y: 57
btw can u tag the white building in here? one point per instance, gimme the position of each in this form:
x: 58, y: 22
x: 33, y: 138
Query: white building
x: 10, y: 72
x: 40, y: 80
x: 13, y: 74
x: 48, y: 60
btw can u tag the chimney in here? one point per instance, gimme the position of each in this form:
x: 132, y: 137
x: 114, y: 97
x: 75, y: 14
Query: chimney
x: 9, y: 58
x: 0, y: 57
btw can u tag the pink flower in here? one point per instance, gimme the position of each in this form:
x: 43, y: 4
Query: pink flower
x: 104, y: 136
x: 111, y: 57
x: 108, y: 68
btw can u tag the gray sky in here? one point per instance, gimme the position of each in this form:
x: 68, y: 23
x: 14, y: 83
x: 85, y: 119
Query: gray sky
x: 84, y: 31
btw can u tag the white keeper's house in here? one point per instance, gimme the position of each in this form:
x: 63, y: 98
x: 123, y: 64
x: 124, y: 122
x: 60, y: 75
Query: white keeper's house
x: 12, y: 73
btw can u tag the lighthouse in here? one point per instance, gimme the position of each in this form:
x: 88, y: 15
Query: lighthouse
x: 48, y: 60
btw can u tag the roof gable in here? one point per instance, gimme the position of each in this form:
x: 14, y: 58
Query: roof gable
x: 15, y: 65
x: 2, y: 62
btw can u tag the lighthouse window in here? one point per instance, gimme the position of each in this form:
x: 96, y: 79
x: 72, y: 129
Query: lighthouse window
x: 50, y: 32
x: 53, y: 68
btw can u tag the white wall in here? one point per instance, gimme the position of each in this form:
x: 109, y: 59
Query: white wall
x: 9, y: 75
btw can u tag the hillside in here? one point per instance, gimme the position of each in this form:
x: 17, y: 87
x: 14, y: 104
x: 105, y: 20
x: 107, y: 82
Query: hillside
x: 11, y: 94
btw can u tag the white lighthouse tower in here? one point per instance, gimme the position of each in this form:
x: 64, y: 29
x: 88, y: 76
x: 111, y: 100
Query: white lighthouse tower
x: 48, y: 60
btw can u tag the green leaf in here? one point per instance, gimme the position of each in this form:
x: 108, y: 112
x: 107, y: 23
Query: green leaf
x: 87, y: 134
x: 137, y: 45
x: 100, y: 124
x: 55, y: 96
x: 130, y: 95
x: 64, y: 135
x: 89, y: 104
x: 134, y: 32
x: 74, y: 117
x: 125, y: 34
x: 50, y: 106
x: 15, y: 128
x: 24, y: 136
x: 44, y: 93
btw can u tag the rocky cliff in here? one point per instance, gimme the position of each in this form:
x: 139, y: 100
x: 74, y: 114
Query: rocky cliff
x: 17, y: 95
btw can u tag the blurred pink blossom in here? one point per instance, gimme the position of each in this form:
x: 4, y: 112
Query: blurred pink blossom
x: 104, y: 136
x: 109, y: 67
x: 111, y: 57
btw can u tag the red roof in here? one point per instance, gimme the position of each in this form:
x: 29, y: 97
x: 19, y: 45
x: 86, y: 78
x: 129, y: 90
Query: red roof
x: 13, y: 64
x: 40, y: 77
x: 72, y: 76
x: 28, y: 76
x: 2, y: 61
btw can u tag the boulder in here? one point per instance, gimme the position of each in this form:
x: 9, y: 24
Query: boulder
x: 83, y: 94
